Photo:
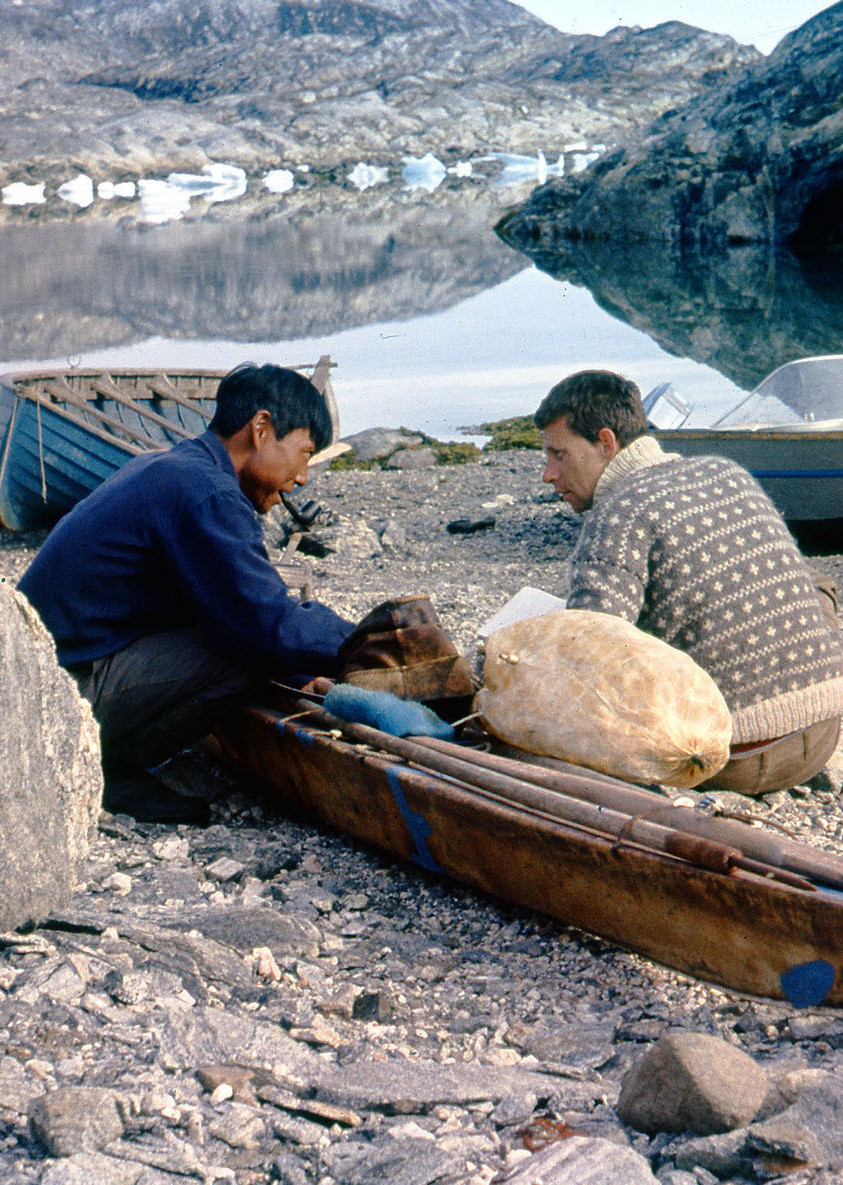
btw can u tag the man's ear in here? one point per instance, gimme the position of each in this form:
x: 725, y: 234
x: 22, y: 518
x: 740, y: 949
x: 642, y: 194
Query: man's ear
x: 260, y: 427
x: 608, y: 442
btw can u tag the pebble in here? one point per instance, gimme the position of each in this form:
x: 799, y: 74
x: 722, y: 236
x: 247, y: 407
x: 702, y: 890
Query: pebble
x: 266, y: 1000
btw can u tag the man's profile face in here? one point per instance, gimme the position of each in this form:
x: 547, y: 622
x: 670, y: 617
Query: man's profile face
x: 275, y: 465
x: 574, y: 464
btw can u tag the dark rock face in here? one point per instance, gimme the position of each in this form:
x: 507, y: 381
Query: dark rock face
x: 759, y: 161
x: 121, y: 87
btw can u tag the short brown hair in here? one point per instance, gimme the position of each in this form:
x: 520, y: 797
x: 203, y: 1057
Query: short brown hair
x: 595, y: 399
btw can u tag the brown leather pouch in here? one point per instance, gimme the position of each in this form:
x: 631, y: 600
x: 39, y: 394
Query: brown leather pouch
x: 401, y: 647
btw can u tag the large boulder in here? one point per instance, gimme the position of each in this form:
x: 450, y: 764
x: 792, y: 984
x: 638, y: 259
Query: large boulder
x: 50, y: 771
x: 692, y: 1082
x: 759, y: 160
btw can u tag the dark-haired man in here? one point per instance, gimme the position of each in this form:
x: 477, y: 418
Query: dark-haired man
x: 692, y: 551
x: 158, y: 589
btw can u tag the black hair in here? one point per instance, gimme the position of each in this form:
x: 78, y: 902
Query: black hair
x: 595, y: 399
x: 291, y: 400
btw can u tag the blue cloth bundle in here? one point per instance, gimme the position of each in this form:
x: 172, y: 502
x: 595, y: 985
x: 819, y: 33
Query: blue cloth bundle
x: 381, y: 709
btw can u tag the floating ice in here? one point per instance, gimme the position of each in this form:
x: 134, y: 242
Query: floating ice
x: 216, y: 183
x: 518, y: 168
x: 461, y: 169
x: 279, y: 181
x: 365, y: 176
x: 79, y: 191
x: 162, y: 202
x: 21, y: 194
x: 107, y: 190
x: 423, y: 172
x: 581, y: 160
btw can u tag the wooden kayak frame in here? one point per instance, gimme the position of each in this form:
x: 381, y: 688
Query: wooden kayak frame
x: 728, y: 903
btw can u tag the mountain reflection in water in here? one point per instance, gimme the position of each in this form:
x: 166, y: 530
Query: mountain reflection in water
x: 742, y: 312
x: 434, y: 321
x: 68, y: 288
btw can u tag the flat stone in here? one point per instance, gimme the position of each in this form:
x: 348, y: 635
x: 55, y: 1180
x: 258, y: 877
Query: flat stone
x: 374, y: 444
x: 247, y: 928
x: 692, y: 1082
x: 582, y: 1161
x: 75, y: 1119
x: 91, y: 1168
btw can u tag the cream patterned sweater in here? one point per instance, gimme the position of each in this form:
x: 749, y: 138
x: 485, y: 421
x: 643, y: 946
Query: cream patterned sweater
x: 692, y: 551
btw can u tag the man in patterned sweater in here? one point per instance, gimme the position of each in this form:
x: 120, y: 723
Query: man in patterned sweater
x: 692, y: 551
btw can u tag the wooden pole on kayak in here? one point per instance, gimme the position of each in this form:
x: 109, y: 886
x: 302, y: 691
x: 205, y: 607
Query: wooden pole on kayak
x: 622, y: 825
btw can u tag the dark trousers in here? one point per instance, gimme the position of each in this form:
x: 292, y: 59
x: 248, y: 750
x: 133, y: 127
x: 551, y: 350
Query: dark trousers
x: 159, y: 695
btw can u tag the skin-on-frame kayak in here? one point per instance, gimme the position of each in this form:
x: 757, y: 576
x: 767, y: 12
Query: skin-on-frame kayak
x: 732, y: 904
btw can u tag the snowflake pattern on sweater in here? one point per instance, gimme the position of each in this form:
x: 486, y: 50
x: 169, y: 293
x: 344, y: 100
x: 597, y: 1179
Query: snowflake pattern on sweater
x: 693, y: 551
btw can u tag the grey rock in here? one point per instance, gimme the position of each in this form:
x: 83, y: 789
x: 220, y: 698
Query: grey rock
x: 725, y: 1154
x: 702, y: 177
x: 514, y: 1108
x: 76, y: 1119
x: 692, y: 1082
x: 573, y: 1047
x: 91, y: 1168
x: 376, y: 444
x: 818, y: 1110
x: 244, y: 929
x: 411, y: 459
x: 17, y: 1087
x: 780, y: 1141
x: 412, y: 1162
x: 50, y: 774
x: 583, y: 1161
x: 413, y: 1088
x: 211, y: 1035
x: 493, y: 77
x: 671, y: 1176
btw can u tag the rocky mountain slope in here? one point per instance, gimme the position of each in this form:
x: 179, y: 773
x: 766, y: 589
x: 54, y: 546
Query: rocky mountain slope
x: 757, y: 161
x: 118, y: 88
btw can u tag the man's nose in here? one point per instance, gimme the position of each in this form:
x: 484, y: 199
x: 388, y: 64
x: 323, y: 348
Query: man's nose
x: 550, y: 473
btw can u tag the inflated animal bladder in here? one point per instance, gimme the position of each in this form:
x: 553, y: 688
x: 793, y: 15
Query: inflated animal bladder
x: 594, y: 690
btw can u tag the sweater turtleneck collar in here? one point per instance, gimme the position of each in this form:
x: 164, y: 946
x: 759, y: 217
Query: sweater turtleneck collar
x: 642, y: 453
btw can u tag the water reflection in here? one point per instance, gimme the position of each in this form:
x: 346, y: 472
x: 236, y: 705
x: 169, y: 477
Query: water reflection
x: 743, y: 312
x: 297, y: 273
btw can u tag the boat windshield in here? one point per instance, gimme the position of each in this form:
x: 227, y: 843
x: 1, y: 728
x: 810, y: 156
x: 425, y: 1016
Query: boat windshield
x: 808, y: 391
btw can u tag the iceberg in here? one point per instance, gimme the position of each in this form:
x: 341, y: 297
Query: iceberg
x: 216, y: 182
x: 279, y: 181
x: 581, y: 160
x: 21, y: 194
x: 423, y: 172
x: 162, y: 202
x: 107, y: 190
x: 79, y: 191
x: 364, y: 176
x: 519, y: 168
x: 461, y: 169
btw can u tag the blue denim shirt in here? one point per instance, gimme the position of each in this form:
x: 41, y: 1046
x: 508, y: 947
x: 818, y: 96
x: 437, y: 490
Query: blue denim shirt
x: 171, y: 542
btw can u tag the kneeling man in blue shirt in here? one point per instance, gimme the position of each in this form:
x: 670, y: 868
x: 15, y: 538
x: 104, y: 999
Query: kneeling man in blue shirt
x: 158, y: 588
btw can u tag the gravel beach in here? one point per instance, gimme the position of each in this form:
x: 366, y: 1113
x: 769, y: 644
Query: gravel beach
x: 264, y: 1000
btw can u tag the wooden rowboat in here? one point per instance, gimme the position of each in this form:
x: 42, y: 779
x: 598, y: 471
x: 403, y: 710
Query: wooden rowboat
x: 62, y: 433
x: 727, y: 902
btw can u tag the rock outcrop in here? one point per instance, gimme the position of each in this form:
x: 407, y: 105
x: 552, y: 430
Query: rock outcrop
x: 757, y: 161
x: 50, y: 775
x: 123, y: 89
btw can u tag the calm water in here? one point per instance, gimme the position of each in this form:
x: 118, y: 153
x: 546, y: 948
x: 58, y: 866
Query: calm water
x: 434, y: 323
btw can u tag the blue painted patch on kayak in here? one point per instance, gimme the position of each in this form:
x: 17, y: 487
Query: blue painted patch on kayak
x: 417, y: 824
x: 303, y: 735
x: 807, y: 984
